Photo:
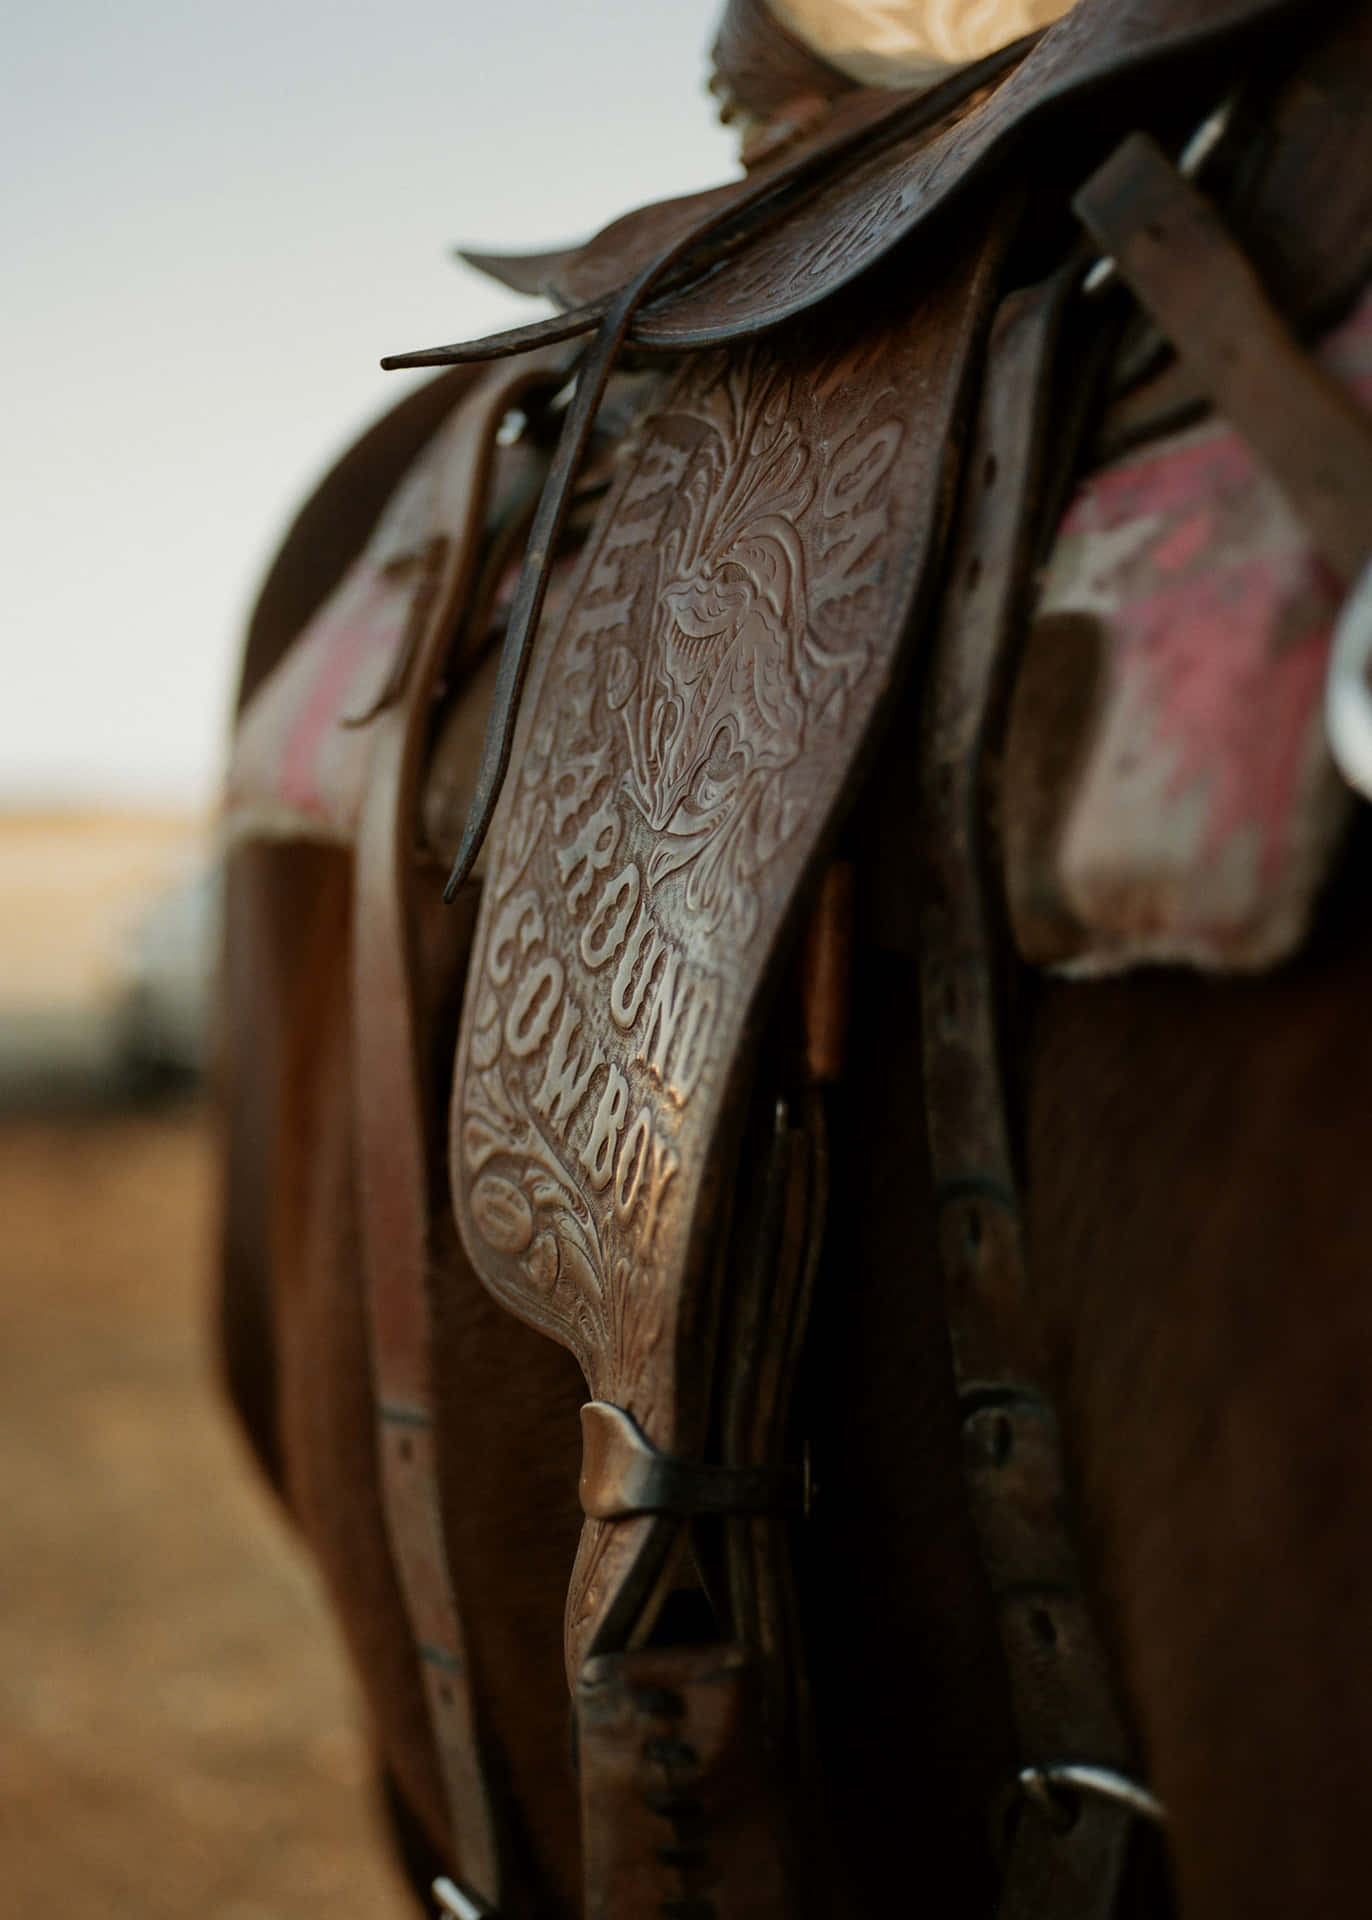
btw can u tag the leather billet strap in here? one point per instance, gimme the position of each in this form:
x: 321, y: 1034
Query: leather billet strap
x: 680, y: 1811
x: 1061, y: 1694
x: 392, y: 1122
x: 1172, y: 249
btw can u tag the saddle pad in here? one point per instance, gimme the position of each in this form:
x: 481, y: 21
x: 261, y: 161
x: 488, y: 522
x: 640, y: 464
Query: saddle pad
x: 1207, y: 810
x: 685, y: 739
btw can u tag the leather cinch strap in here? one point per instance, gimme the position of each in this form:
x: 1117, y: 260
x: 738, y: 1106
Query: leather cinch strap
x: 1061, y: 1694
x: 392, y: 1136
x: 1070, y: 1847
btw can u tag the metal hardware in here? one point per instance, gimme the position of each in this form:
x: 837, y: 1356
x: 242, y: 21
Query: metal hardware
x: 1206, y: 138
x: 1046, y: 1787
x: 458, y: 1902
x: 1347, y: 695
x: 623, y: 1473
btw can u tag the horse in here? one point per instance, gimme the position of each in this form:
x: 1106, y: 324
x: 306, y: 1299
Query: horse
x: 1006, y: 1548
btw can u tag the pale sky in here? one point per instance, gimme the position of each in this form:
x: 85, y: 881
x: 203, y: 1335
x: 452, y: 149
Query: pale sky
x: 214, y: 223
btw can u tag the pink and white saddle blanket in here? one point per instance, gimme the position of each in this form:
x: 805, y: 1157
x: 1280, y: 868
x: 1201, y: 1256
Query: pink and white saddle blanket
x: 1200, y: 812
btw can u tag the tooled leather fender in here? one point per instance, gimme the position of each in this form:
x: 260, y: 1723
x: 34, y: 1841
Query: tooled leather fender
x: 687, y: 735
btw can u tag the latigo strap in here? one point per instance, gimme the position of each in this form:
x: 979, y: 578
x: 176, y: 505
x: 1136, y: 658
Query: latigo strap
x: 393, y: 1134
x: 1062, y: 1696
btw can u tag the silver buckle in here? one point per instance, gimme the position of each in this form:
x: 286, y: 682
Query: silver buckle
x: 456, y: 1901
x: 1047, y: 1786
x: 1347, y: 695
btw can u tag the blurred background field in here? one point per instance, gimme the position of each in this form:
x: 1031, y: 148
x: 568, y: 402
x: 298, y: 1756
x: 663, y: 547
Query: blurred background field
x: 109, y: 921
x: 177, y: 1732
x: 216, y: 221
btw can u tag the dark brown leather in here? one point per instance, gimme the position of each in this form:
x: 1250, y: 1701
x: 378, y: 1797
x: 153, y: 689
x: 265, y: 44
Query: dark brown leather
x: 837, y: 235
x: 641, y: 873
x: 394, y: 1133
x: 1172, y: 249
x: 528, y: 273
x: 1302, y: 140
x: 867, y: 193
x: 675, y: 240
x: 616, y: 322
x: 1061, y: 1692
x: 678, y: 1799
x: 666, y: 822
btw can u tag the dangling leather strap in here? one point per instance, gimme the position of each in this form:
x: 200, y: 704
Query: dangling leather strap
x: 392, y: 1135
x: 680, y: 1811
x: 1171, y: 247
x: 612, y: 321
x: 1062, y: 1699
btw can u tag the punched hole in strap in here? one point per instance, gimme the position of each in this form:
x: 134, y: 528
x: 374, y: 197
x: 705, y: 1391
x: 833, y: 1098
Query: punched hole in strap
x: 623, y: 1473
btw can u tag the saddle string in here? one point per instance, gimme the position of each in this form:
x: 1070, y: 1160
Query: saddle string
x: 859, y: 131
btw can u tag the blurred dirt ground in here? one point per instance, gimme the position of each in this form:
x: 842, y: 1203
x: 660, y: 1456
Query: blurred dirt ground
x: 177, y: 1737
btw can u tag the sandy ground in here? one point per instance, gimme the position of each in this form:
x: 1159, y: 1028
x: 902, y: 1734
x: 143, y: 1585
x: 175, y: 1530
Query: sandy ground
x: 177, y: 1736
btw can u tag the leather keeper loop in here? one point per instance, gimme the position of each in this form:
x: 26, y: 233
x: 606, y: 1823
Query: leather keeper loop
x: 623, y: 1473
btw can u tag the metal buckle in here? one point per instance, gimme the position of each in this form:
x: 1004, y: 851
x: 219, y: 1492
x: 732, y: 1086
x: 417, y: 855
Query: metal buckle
x: 456, y: 1901
x: 1046, y: 1787
x: 1347, y: 694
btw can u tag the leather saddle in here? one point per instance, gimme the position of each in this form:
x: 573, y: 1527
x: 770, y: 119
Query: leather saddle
x: 868, y: 372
